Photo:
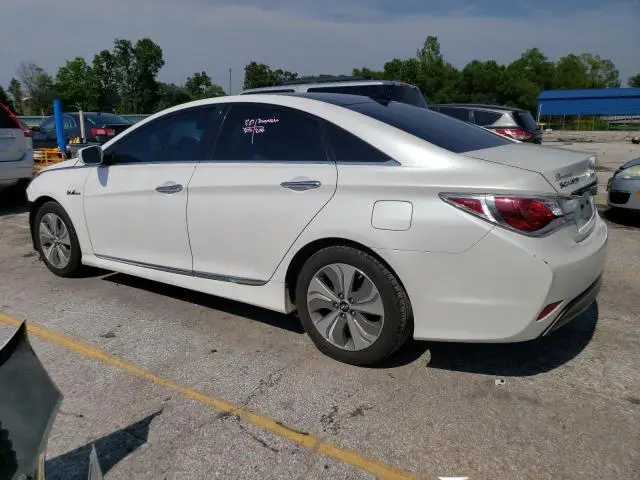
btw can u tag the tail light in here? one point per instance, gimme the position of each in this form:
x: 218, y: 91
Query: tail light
x: 548, y: 309
x: 27, y: 132
x: 515, y: 133
x: 528, y: 215
x: 108, y: 132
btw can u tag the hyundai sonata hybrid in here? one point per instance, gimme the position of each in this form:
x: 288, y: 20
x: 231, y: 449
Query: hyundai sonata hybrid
x: 374, y: 220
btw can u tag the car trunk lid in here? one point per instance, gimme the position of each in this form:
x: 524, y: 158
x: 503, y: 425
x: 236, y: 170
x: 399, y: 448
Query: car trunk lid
x: 572, y: 174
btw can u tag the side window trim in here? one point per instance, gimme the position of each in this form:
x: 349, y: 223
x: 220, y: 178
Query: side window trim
x: 329, y: 157
x: 141, y: 129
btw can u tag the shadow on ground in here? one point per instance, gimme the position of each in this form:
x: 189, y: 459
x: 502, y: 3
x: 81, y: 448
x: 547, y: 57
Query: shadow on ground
x: 518, y: 359
x: 111, y: 449
x: 268, y: 317
x: 13, y: 201
x: 620, y: 218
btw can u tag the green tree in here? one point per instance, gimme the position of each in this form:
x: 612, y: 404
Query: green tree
x: 198, y: 85
x: 601, y: 72
x: 39, y: 88
x: 107, y: 86
x: 77, y: 85
x: 170, y: 95
x: 634, y: 81
x: 258, y: 75
x: 570, y: 73
x: 4, y: 98
x: 479, y: 81
x: 15, y: 90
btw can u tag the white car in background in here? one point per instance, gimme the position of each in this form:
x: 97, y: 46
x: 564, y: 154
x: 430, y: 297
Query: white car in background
x: 16, y: 150
x: 375, y: 220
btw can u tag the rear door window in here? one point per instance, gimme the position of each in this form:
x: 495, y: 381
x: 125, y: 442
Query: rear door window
x: 439, y: 130
x: 484, y: 118
x: 257, y: 132
x: 459, y: 113
x: 347, y: 148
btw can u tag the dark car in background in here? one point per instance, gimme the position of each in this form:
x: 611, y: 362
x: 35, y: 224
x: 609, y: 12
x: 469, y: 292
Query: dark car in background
x: 512, y: 122
x: 99, y: 128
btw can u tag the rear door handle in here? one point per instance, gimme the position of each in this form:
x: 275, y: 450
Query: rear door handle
x: 300, y: 185
x: 169, y: 187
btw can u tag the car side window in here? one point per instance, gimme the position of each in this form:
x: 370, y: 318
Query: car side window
x: 255, y: 132
x: 347, y: 148
x: 173, y: 138
x: 483, y: 118
x: 459, y: 113
x: 68, y: 122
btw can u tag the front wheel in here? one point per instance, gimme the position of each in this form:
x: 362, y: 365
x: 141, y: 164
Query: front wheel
x: 56, y: 240
x: 352, y: 306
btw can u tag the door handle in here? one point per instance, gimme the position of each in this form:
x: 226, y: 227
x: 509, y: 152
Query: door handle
x: 300, y: 185
x: 169, y: 188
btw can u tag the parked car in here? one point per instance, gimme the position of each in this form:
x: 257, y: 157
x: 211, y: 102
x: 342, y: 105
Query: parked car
x: 376, y: 221
x: 624, y: 186
x: 379, y: 89
x: 513, y: 122
x: 16, y: 150
x: 99, y: 128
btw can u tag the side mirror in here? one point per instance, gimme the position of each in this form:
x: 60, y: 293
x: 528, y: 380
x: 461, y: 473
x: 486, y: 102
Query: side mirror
x: 91, y: 155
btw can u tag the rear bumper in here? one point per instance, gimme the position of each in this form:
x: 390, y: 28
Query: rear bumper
x: 495, y: 291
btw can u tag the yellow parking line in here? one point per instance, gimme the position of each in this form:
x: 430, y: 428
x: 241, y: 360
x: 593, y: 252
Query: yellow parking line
x: 377, y: 468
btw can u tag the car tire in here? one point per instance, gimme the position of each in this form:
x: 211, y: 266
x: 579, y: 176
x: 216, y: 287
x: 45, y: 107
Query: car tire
x: 54, y: 234
x: 391, y: 330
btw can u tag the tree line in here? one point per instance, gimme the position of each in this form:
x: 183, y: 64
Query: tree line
x: 125, y: 79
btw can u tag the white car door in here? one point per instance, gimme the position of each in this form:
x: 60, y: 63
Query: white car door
x: 13, y: 143
x: 267, y: 178
x: 136, y: 202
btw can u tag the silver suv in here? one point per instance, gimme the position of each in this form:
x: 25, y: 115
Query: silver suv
x: 378, y: 89
x: 512, y: 122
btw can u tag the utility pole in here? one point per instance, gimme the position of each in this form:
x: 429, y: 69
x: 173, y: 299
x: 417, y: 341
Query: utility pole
x: 229, y: 81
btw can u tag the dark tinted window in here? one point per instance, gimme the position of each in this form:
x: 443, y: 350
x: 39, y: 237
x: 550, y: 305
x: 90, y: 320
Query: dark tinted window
x: 483, y: 118
x: 405, y: 94
x: 5, y: 119
x: 349, y: 148
x: 435, y: 128
x: 174, y: 138
x: 105, y: 119
x: 459, y: 113
x: 260, y: 132
x: 525, y: 120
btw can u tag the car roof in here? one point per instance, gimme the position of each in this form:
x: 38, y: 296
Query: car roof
x: 483, y: 106
x: 337, y: 82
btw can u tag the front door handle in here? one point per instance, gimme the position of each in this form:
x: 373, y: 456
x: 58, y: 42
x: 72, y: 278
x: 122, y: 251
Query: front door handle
x: 300, y: 185
x: 169, y: 188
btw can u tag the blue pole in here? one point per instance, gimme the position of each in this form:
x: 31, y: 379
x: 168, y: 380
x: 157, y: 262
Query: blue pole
x: 57, y: 114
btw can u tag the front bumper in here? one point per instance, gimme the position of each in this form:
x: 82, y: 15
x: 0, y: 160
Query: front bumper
x: 623, y: 193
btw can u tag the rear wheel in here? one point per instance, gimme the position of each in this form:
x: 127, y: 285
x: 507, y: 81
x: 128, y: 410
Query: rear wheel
x: 352, y: 306
x: 56, y: 240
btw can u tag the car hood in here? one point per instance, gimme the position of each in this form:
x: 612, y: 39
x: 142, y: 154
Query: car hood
x: 569, y: 172
x: 64, y: 164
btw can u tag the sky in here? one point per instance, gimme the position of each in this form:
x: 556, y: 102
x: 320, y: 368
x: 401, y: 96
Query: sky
x: 314, y: 36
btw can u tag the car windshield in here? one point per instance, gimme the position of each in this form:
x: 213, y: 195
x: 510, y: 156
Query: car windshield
x: 436, y: 128
x: 105, y: 119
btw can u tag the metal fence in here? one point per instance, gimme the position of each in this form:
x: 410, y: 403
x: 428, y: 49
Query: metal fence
x: 34, y: 120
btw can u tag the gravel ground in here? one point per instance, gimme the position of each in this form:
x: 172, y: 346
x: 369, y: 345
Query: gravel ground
x: 567, y: 406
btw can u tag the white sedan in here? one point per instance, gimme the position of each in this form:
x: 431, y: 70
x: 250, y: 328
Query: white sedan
x: 375, y: 220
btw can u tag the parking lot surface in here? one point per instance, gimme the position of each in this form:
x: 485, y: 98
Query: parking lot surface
x: 174, y: 384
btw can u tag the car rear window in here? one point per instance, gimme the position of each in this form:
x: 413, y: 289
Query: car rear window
x: 105, y: 118
x: 525, y: 120
x: 5, y: 119
x: 436, y: 128
x: 400, y: 93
